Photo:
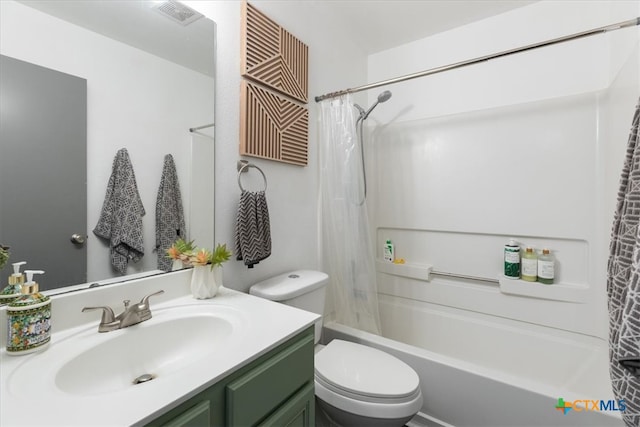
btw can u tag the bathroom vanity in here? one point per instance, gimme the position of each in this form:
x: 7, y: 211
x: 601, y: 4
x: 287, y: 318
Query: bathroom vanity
x: 275, y: 390
x: 231, y: 360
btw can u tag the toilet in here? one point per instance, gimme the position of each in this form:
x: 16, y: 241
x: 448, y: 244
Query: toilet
x: 355, y: 385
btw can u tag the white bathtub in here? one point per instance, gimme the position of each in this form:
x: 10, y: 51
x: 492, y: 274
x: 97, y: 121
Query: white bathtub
x: 476, y: 372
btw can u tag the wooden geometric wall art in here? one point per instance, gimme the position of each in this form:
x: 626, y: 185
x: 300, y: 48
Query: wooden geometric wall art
x: 272, y: 56
x: 272, y: 126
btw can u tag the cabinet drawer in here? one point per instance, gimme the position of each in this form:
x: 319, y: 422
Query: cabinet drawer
x: 196, y: 416
x: 253, y: 396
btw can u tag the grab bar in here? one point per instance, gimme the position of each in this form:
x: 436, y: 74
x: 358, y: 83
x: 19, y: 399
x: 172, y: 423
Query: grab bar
x: 464, y: 276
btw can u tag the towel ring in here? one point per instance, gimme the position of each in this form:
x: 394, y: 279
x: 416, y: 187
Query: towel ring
x: 250, y: 165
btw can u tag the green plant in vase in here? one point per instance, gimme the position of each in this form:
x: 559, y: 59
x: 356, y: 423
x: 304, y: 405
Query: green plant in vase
x: 180, y: 252
x: 192, y: 256
x: 205, y: 282
x: 220, y: 255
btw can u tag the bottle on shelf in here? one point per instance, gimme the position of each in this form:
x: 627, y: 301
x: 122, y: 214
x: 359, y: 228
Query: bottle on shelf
x: 389, y: 253
x: 546, y: 267
x: 529, y: 265
x: 512, y: 260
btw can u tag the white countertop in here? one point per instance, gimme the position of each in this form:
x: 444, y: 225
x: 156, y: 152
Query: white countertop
x: 266, y: 325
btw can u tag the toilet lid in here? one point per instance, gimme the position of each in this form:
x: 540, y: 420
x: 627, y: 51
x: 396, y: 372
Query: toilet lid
x: 289, y: 285
x: 365, y: 371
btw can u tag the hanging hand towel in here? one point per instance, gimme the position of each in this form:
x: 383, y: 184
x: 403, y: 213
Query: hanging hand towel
x: 253, y: 235
x: 121, y: 217
x: 169, y: 213
x: 623, y: 283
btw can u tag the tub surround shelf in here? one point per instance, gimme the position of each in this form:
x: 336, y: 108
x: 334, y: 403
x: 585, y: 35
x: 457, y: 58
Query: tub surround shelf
x: 557, y: 292
x: 412, y: 271
x: 422, y: 272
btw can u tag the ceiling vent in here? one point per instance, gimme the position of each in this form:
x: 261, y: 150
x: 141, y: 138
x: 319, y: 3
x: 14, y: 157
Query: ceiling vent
x: 177, y: 12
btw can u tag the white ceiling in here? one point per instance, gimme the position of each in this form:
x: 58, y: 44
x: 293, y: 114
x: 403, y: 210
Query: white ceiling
x: 139, y: 24
x: 376, y: 25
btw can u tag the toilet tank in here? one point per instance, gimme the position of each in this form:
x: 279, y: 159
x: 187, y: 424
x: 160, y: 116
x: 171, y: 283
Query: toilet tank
x: 304, y: 289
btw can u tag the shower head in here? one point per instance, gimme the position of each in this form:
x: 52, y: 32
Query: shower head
x: 383, y: 97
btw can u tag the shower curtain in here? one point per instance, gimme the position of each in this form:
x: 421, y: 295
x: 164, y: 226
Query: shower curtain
x: 348, y: 255
x: 623, y: 283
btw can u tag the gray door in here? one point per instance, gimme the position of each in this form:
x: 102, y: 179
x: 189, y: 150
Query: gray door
x: 43, y: 173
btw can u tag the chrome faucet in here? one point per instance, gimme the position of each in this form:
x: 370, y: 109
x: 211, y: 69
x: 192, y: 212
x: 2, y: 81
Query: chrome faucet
x: 132, y: 314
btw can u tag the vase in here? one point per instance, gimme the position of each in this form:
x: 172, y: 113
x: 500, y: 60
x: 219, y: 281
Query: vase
x: 203, y: 282
x: 177, y: 265
x: 217, y: 274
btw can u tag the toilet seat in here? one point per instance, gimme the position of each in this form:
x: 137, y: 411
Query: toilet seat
x: 365, y: 371
x: 366, y: 381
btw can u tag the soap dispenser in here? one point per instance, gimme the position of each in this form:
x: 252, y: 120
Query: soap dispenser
x: 14, y: 289
x: 29, y: 319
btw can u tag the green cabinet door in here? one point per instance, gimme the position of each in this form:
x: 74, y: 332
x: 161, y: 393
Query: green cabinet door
x: 196, y: 416
x: 254, y: 396
x: 299, y: 411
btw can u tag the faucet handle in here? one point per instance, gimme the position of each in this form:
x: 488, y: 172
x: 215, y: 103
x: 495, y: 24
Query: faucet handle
x: 145, y: 300
x: 107, y: 313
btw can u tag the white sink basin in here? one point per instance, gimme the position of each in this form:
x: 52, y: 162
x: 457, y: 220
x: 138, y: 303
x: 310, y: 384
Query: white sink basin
x: 91, y: 363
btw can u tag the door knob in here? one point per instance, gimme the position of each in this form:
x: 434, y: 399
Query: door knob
x: 78, y: 239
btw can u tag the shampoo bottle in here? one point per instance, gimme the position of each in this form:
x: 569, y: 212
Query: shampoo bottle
x: 14, y: 289
x: 546, y: 267
x: 529, y: 265
x: 389, y: 253
x: 29, y: 319
x: 512, y: 260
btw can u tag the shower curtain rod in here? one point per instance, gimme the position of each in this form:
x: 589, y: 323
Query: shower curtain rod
x: 606, y: 28
x: 201, y: 127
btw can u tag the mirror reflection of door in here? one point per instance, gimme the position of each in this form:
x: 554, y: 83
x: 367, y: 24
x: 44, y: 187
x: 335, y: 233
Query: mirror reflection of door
x: 43, y: 157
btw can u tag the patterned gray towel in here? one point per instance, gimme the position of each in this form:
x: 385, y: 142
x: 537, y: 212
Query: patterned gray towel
x: 253, y: 234
x: 169, y: 213
x: 623, y: 283
x: 121, y: 217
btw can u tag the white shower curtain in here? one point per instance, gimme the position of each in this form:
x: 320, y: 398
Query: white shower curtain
x: 348, y: 255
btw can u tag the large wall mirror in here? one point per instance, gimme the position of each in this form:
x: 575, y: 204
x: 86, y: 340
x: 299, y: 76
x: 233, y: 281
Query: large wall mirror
x: 147, y: 69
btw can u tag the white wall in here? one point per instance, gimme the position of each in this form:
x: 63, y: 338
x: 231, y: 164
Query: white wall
x: 334, y: 62
x: 145, y: 112
x: 549, y: 72
x: 528, y: 146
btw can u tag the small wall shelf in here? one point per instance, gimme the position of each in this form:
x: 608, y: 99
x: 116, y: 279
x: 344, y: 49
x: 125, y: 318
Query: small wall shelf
x: 557, y: 292
x: 412, y: 271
